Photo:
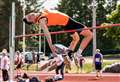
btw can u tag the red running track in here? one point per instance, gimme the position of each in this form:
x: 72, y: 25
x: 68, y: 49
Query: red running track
x: 81, y: 77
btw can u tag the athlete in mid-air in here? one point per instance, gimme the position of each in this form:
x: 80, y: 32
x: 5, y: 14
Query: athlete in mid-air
x: 48, y: 18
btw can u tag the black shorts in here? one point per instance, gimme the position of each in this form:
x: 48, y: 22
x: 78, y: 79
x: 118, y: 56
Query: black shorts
x: 5, y: 75
x: 98, y: 66
x: 73, y: 25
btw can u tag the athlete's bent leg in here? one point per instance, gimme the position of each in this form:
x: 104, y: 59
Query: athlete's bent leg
x: 87, y: 38
x: 75, y: 40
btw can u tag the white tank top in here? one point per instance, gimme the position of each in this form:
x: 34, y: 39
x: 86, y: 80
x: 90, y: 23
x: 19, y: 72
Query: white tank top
x: 59, y: 60
x: 5, y: 62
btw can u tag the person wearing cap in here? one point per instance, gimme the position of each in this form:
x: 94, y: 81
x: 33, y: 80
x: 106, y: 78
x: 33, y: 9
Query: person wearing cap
x: 47, y: 18
x: 97, y: 62
x: 5, y: 64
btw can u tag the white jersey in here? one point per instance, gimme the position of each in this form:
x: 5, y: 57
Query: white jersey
x: 59, y: 60
x: 5, y: 62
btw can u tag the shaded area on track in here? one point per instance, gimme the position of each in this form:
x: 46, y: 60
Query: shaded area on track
x: 106, y: 77
x: 82, y: 77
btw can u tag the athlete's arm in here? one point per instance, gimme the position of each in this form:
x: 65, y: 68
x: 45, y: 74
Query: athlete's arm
x: 47, y: 34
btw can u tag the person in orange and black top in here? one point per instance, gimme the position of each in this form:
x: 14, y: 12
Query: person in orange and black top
x: 48, y: 18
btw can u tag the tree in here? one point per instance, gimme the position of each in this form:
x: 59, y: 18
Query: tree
x: 5, y: 13
x: 5, y: 16
x: 81, y: 11
x: 114, y: 32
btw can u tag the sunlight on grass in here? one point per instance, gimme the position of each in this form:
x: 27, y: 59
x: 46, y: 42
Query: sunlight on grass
x: 88, y: 68
x: 30, y: 67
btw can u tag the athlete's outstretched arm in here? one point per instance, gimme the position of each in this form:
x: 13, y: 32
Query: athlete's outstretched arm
x: 47, y: 34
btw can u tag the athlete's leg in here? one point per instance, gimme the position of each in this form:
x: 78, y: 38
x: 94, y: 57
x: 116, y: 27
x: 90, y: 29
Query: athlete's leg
x: 67, y: 64
x: 52, y: 67
x: 57, y: 70
x: 45, y: 66
x: 87, y: 38
x: 77, y: 64
x: 75, y: 40
x: 62, y: 70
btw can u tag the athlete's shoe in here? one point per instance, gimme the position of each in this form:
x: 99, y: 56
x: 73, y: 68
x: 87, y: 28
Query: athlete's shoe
x: 97, y: 77
x: 58, y: 77
x: 70, y: 54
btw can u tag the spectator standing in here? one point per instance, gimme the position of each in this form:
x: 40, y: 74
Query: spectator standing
x: 34, y: 57
x: 5, y: 64
x: 81, y: 61
x: 67, y: 63
x: 97, y: 62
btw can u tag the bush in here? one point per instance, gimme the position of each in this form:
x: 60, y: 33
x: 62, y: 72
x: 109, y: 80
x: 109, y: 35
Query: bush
x: 114, y: 68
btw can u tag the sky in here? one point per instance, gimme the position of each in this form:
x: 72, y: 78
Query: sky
x: 49, y: 4
x: 52, y: 4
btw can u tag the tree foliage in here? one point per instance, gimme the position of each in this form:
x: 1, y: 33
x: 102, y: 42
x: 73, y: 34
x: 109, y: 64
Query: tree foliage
x: 5, y: 13
x: 80, y: 10
x: 114, y: 32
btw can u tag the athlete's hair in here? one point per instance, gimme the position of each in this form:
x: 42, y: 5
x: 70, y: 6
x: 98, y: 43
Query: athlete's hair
x: 25, y: 20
